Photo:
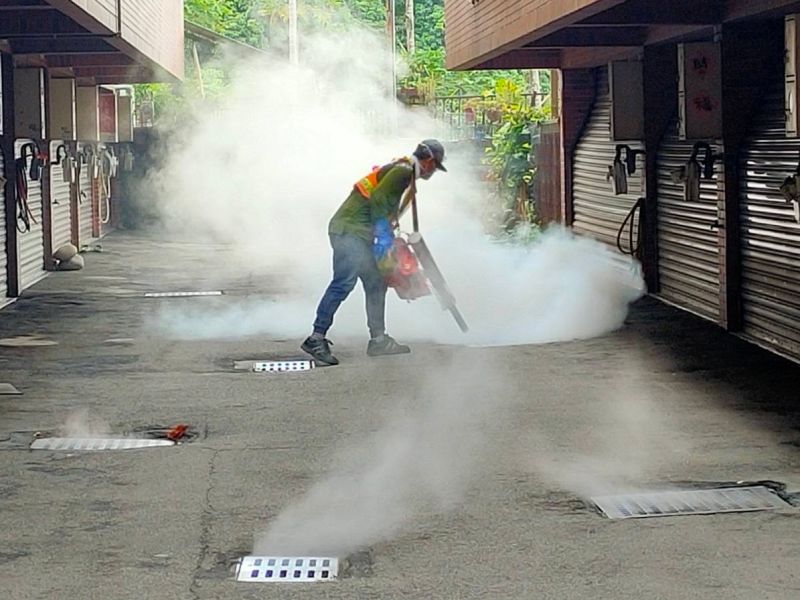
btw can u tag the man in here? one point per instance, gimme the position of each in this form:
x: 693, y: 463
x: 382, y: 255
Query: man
x: 361, y: 234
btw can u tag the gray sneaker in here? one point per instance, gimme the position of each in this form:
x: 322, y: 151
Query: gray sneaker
x: 320, y: 349
x: 386, y: 347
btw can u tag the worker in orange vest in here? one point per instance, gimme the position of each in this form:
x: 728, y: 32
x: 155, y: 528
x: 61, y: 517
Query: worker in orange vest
x: 362, y: 236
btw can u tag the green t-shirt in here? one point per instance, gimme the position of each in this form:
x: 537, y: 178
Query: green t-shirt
x: 358, y: 215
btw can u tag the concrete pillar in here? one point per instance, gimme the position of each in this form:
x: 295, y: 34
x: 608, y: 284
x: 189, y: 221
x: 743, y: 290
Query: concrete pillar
x: 124, y: 116
x: 62, y: 109
x: 88, y: 122
x: 29, y: 117
x: 107, y: 102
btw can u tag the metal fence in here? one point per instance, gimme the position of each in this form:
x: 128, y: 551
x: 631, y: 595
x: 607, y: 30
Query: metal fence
x: 469, y: 117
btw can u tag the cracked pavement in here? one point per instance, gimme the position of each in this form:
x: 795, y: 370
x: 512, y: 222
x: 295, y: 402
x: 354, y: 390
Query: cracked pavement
x: 697, y: 405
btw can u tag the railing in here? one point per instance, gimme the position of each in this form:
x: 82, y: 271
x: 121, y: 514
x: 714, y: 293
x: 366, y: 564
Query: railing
x: 464, y: 117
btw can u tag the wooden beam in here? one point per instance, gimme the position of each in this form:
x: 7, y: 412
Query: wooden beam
x: 524, y: 58
x: 520, y: 34
x: 124, y: 72
x: 675, y: 33
x: 60, y: 46
x: 667, y: 12
x: 584, y: 58
x: 18, y: 24
x: 593, y: 36
x: 111, y: 59
x: 743, y: 9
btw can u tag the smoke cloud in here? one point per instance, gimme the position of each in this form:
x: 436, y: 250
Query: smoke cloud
x: 265, y: 173
x: 81, y: 424
x: 417, y: 464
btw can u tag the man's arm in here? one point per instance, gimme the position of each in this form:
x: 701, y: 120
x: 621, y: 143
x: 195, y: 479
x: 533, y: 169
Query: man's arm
x: 385, y: 200
x: 384, y: 204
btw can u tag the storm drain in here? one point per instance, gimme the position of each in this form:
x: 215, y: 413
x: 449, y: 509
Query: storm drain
x: 181, y: 294
x: 689, y: 502
x: 62, y: 444
x: 285, y: 569
x: 283, y: 366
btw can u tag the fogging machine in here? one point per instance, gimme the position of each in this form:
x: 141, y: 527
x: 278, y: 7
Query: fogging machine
x: 416, y: 273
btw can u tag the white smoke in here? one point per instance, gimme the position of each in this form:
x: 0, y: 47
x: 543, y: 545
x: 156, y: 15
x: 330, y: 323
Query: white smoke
x: 264, y: 175
x: 414, y: 465
x: 82, y: 424
x: 266, y: 172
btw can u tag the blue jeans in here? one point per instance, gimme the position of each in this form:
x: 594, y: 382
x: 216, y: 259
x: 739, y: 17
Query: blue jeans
x: 353, y: 260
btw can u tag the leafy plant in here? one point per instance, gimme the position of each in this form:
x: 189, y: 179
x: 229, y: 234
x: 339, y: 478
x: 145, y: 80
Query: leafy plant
x: 508, y: 156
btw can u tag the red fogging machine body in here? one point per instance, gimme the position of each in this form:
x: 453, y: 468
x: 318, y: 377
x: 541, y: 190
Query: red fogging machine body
x: 416, y: 275
x: 407, y: 278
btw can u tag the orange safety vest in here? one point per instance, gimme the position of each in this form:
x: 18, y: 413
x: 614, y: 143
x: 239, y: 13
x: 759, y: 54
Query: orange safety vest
x: 367, y: 185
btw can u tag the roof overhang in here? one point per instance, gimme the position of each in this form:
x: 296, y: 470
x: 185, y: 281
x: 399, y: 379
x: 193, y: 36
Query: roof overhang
x: 63, y: 37
x: 584, y: 33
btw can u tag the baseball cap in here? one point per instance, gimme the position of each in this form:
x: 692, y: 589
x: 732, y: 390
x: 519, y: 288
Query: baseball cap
x: 432, y: 148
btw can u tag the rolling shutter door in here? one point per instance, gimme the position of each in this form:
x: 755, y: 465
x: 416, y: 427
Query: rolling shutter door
x: 598, y: 212
x: 770, y: 232
x: 85, y: 201
x: 688, y: 246
x: 60, y: 199
x: 31, y: 243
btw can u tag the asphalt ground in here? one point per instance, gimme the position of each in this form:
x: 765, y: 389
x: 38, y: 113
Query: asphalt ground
x: 450, y: 473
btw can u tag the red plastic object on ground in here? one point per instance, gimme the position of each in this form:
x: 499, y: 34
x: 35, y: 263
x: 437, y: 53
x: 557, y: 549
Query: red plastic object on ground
x: 177, y: 432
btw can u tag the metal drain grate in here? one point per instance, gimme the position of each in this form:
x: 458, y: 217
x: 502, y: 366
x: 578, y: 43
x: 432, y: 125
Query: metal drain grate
x: 283, y: 366
x: 287, y: 569
x: 689, y: 502
x: 181, y: 294
x: 56, y: 443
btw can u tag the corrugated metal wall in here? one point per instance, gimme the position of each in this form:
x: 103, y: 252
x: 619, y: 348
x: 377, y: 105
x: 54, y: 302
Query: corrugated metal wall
x: 688, y: 246
x: 85, y: 200
x: 31, y: 243
x: 770, y: 232
x: 598, y: 212
x: 59, y: 198
x: 3, y: 255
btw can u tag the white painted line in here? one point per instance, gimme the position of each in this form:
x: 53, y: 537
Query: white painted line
x: 181, y: 294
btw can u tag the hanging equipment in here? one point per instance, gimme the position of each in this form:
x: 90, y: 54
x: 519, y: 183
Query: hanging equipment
x: 24, y: 214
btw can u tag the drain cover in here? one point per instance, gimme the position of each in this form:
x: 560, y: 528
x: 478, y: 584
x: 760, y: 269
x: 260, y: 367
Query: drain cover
x: 287, y: 569
x: 26, y: 341
x: 181, y: 294
x: 56, y: 443
x: 7, y: 389
x: 689, y: 502
x: 282, y: 366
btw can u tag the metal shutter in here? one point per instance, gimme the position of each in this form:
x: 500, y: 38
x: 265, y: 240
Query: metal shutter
x: 104, y: 200
x: 770, y: 234
x: 3, y: 255
x: 598, y: 211
x: 688, y: 246
x: 31, y: 243
x: 85, y: 201
x: 59, y: 199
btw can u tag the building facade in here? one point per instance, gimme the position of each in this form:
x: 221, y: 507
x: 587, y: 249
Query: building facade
x: 67, y: 116
x: 680, y: 119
